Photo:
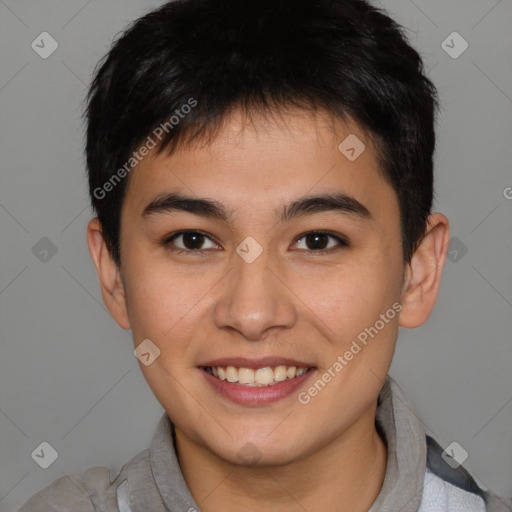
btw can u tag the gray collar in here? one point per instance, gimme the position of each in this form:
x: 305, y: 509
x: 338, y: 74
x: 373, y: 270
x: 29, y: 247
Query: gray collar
x: 407, y: 452
x: 403, y: 484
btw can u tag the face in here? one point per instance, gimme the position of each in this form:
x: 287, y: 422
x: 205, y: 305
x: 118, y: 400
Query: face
x: 265, y: 250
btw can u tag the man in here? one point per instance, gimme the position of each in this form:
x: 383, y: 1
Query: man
x: 262, y: 174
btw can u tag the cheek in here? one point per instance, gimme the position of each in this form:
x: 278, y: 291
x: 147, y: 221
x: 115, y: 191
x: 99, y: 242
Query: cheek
x: 156, y: 299
x: 166, y: 305
x: 350, y: 297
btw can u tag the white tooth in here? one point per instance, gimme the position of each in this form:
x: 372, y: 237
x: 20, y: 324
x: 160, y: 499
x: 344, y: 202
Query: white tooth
x: 280, y: 373
x: 301, y: 371
x: 221, y: 373
x: 231, y: 374
x: 291, y: 371
x: 214, y: 371
x: 264, y: 376
x: 245, y: 376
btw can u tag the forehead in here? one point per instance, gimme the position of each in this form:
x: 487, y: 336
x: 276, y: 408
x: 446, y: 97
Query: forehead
x: 253, y: 164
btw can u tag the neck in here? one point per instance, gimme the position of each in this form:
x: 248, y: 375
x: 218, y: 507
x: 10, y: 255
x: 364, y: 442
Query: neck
x: 345, y: 474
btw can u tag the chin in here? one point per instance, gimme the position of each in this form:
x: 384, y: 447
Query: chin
x: 255, y: 451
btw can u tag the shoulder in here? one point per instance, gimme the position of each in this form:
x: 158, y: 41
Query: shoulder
x: 449, y: 486
x: 69, y: 492
x: 88, y: 491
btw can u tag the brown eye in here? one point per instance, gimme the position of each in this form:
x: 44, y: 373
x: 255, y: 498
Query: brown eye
x: 191, y: 241
x: 319, y: 241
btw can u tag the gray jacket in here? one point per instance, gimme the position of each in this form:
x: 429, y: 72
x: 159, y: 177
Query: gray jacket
x: 419, y: 478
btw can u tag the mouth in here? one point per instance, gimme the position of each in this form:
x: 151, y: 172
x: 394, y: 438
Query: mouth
x: 256, y: 377
x: 256, y: 382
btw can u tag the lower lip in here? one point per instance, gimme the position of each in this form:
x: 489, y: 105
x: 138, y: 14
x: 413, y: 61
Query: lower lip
x: 253, y: 395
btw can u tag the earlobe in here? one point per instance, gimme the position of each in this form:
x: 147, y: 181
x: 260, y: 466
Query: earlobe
x: 112, y: 288
x: 423, y: 273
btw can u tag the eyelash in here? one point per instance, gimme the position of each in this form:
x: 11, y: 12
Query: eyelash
x: 170, y: 238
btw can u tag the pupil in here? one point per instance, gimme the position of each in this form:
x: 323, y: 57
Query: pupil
x: 193, y: 240
x: 316, y: 244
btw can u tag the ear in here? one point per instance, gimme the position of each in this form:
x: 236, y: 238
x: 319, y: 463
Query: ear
x: 112, y: 288
x: 423, y: 273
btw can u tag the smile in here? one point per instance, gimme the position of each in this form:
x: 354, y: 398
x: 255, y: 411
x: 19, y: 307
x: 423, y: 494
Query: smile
x: 260, y: 377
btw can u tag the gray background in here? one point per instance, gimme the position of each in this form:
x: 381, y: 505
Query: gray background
x: 67, y: 372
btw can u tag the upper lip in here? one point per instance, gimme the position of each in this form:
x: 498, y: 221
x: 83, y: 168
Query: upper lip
x: 262, y: 362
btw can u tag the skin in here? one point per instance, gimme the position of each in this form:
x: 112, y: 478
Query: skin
x: 290, y: 302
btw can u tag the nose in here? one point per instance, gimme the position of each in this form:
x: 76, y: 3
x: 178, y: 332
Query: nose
x: 255, y: 299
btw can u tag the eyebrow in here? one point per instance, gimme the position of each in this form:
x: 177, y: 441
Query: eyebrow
x: 307, y: 205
